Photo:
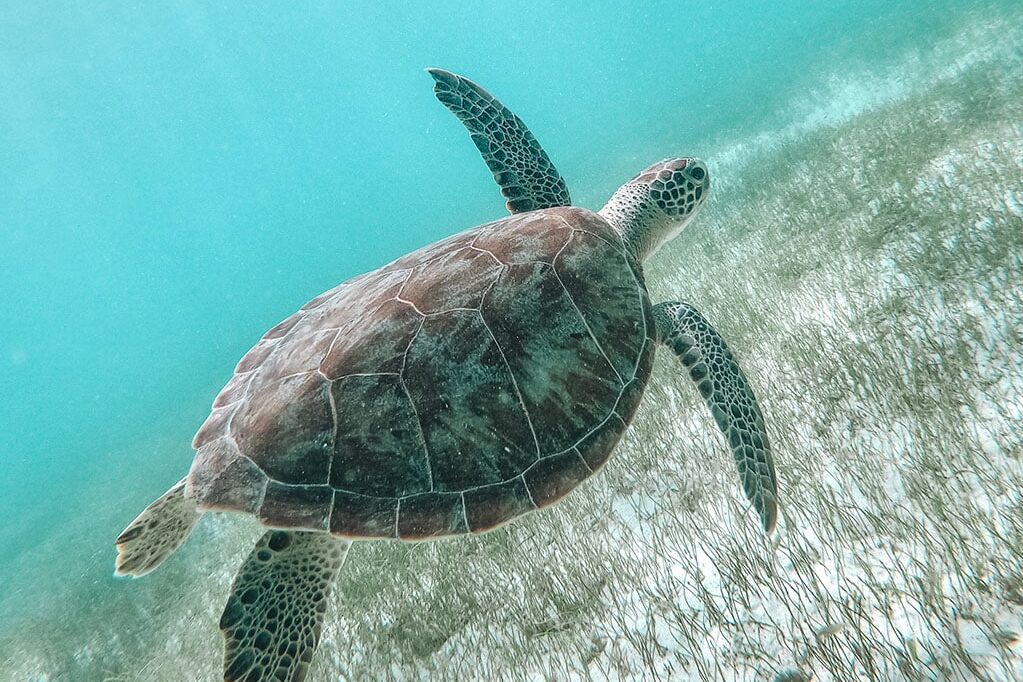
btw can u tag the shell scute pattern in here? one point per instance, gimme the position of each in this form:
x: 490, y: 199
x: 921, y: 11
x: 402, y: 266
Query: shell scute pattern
x: 363, y: 516
x: 282, y: 328
x: 286, y: 427
x: 234, y: 391
x: 469, y: 274
x: 290, y: 359
x: 428, y: 253
x: 216, y: 425
x: 296, y: 506
x: 536, y: 239
x: 258, y: 353
x: 564, y: 378
x: 394, y: 324
x: 553, y: 477
x: 430, y: 515
x: 458, y: 387
x: 340, y: 312
x: 590, y: 287
x: 492, y: 505
x: 475, y: 429
x: 227, y: 479
x: 597, y: 445
x: 380, y: 421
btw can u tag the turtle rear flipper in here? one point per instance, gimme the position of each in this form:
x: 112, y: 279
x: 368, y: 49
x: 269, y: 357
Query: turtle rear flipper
x: 273, y: 618
x: 153, y: 536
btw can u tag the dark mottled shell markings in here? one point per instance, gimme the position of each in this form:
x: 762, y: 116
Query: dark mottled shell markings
x: 451, y: 391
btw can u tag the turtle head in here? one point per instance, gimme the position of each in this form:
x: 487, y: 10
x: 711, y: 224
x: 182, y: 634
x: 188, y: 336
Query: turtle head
x: 652, y: 209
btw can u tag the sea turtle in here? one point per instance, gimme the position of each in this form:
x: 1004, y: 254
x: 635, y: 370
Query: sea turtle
x: 468, y: 383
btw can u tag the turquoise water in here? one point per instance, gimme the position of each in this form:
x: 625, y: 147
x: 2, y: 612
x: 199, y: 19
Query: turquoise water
x: 175, y: 180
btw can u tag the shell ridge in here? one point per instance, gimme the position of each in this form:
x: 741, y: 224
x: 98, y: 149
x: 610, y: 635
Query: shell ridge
x: 486, y: 251
x: 648, y: 312
x: 415, y: 409
x: 410, y: 305
x: 618, y: 245
x: 333, y: 438
x: 575, y: 306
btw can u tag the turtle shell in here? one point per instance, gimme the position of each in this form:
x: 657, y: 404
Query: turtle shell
x: 461, y: 386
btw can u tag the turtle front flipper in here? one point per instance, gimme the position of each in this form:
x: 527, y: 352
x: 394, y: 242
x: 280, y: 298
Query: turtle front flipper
x: 728, y: 394
x: 153, y: 536
x: 274, y: 616
x: 528, y: 179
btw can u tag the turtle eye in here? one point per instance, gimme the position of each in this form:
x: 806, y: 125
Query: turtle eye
x: 698, y: 173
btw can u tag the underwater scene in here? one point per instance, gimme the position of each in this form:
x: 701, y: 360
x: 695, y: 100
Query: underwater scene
x: 836, y: 192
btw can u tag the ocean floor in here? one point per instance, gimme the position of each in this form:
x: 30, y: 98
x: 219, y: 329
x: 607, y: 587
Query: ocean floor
x: 866, y: 265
